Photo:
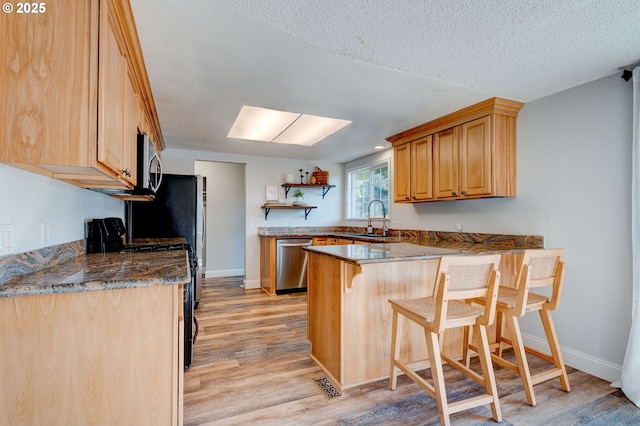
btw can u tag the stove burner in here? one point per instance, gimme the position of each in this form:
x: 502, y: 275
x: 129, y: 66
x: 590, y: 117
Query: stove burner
x: 193, y: 261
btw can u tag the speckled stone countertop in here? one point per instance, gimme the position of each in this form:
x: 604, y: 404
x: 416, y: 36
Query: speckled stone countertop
x: 473, y: 242
x: 103, y: 271
x: 382, y: 252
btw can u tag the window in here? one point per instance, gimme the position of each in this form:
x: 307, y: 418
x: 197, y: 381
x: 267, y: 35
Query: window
x: 367, y: 184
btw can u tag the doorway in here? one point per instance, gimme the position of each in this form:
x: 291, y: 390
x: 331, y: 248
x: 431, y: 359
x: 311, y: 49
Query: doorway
x: 224, y: 247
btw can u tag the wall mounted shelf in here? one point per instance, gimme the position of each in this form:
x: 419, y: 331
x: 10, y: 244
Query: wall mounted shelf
x: 325, y: 188
x: 307, y: 209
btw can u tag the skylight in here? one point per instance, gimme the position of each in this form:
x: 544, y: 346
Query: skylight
x: 269, y: 125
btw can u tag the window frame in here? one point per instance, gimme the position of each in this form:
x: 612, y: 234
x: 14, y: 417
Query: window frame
x: 348, y: 193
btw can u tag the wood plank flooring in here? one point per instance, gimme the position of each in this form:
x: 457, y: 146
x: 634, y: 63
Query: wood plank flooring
x: 251, y: 366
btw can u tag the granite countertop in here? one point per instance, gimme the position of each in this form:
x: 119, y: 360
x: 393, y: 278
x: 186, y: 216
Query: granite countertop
x: 394, y: 252
x: 476, y: 242
x: 347, y: 235
x: 408, y: 245
x: 381, y: 252
x: 103, y: 271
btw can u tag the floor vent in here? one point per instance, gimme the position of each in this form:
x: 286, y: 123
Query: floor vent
x: 328, y: 390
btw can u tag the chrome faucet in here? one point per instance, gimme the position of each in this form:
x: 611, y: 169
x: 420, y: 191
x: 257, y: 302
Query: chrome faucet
x: 384, y: 218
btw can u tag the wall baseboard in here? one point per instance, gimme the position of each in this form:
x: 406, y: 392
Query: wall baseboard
x: 579, y: 360
x: 251, y: 284
x: 224, y: 273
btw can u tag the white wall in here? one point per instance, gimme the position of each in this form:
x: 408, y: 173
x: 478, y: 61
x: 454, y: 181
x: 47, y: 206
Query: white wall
x: 225, y: 240
x: 261, y: 171
x: 574, y: 184
x: 27, y: 200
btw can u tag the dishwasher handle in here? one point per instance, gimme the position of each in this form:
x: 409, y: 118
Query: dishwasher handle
x: 285, y: 243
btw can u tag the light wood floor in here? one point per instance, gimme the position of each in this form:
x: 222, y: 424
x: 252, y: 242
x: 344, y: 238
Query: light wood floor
x: 251, y: 367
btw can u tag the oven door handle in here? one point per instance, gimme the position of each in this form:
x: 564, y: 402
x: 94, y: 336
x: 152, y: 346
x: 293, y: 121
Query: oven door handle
x: 195, y: 333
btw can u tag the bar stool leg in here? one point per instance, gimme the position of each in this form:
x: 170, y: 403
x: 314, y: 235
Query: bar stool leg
x: 466, y: 341
x: 487, y: 369
x: 437, y: 375
x: 499, y: 332
x: 395, y: 348
x: 521, y: 359
x: 554, y: 346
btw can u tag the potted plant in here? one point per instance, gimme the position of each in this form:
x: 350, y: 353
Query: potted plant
x: 298, y: 196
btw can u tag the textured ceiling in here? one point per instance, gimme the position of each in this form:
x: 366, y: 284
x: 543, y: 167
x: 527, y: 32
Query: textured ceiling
x: 387, y: 65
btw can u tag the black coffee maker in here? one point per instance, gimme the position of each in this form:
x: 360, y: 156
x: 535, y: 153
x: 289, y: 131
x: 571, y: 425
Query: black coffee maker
x: 105, y: 235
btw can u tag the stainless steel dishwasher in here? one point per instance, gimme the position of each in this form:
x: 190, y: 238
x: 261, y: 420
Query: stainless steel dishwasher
x: 291, y: 264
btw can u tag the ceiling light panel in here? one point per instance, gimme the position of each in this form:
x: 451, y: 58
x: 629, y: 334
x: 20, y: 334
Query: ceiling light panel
x: 269, y: 125
x: 260, y: 124
x: 310, y: 129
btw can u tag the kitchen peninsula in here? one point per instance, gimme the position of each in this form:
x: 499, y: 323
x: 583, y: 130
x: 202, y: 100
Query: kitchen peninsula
x: 349, y: 318
x: 96, y: 338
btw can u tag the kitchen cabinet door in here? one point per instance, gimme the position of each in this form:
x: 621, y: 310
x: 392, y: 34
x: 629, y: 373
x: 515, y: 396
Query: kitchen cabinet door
x: 402, y: 172
x: 422, y: 169
x: 130, y: 144
x: 344, y: 241
x: 96, y: 357
x: 48, y: 84
x: 476, y: 162
x: 413, y: 164
x: 446, y: 163
x: 319, y: 241
x: 268, y: 264
x: 113, y: 86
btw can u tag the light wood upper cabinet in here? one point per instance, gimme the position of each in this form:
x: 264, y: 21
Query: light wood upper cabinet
x: 72, y: 81
x: 476, y: 161
x: 445, y: 154
x: 463, y: 160
x: 413, y: 170
x: 402, y: 174
x: 421, y: 169
x: 112, y: 112
x: 130, y: 145
x: 49, y: 78
x: 473, y: 155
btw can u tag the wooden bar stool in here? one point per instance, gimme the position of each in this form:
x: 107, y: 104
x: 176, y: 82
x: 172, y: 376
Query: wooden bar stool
x: 538, y: 268
x: 458, y: 278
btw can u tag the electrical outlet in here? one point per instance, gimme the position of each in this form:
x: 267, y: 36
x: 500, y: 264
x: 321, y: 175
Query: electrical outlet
x: 45, y: 234
x: 5, y: 238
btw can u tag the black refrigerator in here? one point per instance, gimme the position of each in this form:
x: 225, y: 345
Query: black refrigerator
x: 176, y: 211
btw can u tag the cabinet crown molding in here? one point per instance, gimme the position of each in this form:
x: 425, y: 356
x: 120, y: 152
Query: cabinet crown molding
x: 498, y: 106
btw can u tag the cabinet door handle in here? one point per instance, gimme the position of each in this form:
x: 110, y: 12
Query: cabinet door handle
x: 407, y: 198
x: 454, y: 193
x: 463, y: 192
x: 126, y: 172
